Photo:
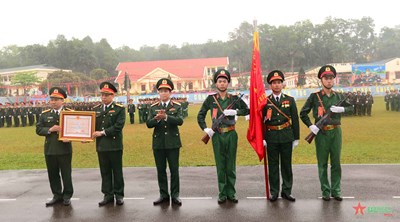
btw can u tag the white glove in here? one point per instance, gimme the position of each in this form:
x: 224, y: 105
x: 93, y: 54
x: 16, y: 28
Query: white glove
x: 337, y: 109
x: 247, y: 117
x: 314, y: 129
x: 295, y: 143
x: 230, y: 112
x: 209, y: 132
x: 265, y: 143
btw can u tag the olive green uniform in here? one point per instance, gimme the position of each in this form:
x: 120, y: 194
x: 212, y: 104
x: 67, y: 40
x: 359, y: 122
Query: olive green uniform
x: 328, y: 142
x: 110, y: 149
x: 224, y: 143
x: 166, y: 145
x: 58, y: 156
x: 279, y: 135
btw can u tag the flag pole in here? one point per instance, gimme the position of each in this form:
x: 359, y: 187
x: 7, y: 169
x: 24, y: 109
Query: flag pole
x: 264, y: 148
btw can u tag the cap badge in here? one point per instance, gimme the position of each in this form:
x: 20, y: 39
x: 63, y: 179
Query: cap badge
x: 55, y: 91
x: 327, y: 69
x: 164, y: 81
x: 276, y: 74
x: 222, y: 72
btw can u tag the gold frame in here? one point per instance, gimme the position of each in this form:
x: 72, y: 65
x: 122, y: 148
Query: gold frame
x: 92, y: 124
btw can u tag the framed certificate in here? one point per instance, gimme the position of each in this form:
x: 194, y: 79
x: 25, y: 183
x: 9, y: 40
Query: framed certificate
x: 77, y: 125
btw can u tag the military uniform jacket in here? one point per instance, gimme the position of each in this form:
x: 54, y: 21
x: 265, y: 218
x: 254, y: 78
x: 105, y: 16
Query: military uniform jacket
x: 286, y: 105
x: 52, y: 146
x: 166, y: 133
x: 131, y: 108
x: 313, y: 104
x: 112, y: 121
x: 210, y: 104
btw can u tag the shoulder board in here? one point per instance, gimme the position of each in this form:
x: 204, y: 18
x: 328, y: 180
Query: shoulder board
x: 68, y: 109
x: 176, y: 103
x: 154, y: 104
x: 120, y: 105
x: 96, y: 106
x: 45, y: 111
x: 286, y: 95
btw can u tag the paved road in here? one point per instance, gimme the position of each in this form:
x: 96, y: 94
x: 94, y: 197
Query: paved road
x: 23, y: 194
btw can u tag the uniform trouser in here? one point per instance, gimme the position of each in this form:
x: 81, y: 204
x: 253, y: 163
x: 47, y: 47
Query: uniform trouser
x: 31, y: 119
x: 369, y: 108
x: 393, y: 106
x: 161, y: 157
x: 387, y: 106
x: 141, y: 117
x: 56, y: 164
x: 23, y: 120
x: 329, y: 144
x: 1, y: 121
x: 112, y: 179
x: 282, y: 152
x: 225, y: 148
x: 9, y: 121
x: 16, y: 121
x: 132, y: 118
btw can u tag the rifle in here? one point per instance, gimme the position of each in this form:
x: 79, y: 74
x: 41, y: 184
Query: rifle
x: 324, y: 120
x: 217, y: 122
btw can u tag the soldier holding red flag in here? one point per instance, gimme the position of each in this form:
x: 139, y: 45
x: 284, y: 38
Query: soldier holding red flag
x: 281, y: 136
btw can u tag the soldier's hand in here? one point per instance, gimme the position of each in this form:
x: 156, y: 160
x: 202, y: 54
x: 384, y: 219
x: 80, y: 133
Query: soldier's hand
x: 295, y: 144
x: 265, y: 143
x: 97, y: 134
x: 209, y: 132
x: 55, y: 128
x: 337, y: 109
x: 314, y: 129
x: 66, y: 141
x: 230, y: 112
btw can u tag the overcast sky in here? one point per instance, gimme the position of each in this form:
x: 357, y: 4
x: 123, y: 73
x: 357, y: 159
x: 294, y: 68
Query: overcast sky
x: 153, y: 22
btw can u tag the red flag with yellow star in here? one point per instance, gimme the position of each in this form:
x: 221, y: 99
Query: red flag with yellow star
x: 257, y: 101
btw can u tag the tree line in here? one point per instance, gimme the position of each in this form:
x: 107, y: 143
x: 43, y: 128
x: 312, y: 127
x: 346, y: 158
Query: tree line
x: 289, y: 48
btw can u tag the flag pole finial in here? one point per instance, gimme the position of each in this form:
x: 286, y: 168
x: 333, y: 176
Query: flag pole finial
x: 255, y: 24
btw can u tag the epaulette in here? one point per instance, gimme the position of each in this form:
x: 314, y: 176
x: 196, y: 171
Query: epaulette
x: 155, y: 104
x: 47, y: 110
x: 96, y: 106
x: 120, y: 105
x: 68, y: 109
x: 174, y: 102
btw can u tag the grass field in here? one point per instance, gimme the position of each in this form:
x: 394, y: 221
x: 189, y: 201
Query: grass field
x: 373, y: 139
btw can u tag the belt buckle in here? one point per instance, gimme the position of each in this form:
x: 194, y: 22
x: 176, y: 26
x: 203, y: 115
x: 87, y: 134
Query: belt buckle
x: 279, y: 127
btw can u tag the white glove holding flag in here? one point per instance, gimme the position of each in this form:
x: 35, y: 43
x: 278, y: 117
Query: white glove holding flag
x: 230, y: 112
x: 209, y: 132
x: 337, y: 109
x: 314, y: 129
x: 294, y: 144
x: 265, y: 143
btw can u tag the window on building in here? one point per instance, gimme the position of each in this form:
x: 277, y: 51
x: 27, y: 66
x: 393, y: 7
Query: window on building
x: 190, y: 86
x: 143, y: 87
x: 178, y: 86
x: 397, y: 75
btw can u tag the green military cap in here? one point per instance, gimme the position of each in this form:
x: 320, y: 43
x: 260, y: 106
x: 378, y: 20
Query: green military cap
x: 106, y: 87
x: 275, y: 75
x: 327, y: 70
x: 222, y: 73
x: 165, y: 83
x: 57, y: 92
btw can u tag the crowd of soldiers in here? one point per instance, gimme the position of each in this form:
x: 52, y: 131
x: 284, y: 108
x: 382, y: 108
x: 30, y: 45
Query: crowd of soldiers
x: 27, y: 114
x: 361, y: 102
x: 392, y: 100
x: 21, y: 114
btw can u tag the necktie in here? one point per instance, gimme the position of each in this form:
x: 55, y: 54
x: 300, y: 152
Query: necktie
x: 57, y: 112
x: 164, y: 105
x: 277, y: 99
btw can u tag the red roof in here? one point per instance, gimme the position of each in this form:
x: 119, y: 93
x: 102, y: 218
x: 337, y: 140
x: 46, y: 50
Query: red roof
x: 184, y: 68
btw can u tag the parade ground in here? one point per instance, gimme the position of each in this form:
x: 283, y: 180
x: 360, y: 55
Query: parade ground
x: 371, y: 193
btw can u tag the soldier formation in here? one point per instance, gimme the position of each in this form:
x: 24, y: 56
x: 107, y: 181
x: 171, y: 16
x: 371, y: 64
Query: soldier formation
x: 392, y: 100
x: 362, y: 103
x: 144, y: 105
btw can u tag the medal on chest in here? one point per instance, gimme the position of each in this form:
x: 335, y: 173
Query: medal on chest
x: 269, y: 114
x: 320, y: 111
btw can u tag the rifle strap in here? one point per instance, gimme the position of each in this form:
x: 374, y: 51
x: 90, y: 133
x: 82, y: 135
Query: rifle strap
x: 279, y: 111
x: 321, y: 104
x: 216, y: 101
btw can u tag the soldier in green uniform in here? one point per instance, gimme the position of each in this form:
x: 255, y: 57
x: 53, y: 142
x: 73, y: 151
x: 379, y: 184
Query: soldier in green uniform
x: 328, y: 142
x: 281, y: 136
x: 2, y: 115
x: 387, y: 100
x: 16, y: 114
x: 9, y: 114
x: 110, y: 120
x: 165, y: 117
x: 225, y: 140
x: 131, y: 111
x: 140, y: 110
x: 58, y: 154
